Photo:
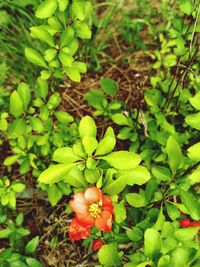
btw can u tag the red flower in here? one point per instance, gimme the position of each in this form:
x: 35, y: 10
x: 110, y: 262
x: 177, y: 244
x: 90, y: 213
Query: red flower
x: 97, y: 244
x: 93, y: 208
x: 185, y: 223
x: 78, y: 231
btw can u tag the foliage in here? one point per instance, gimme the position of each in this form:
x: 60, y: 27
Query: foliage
x: 66, y: 22
x: 18, y: 253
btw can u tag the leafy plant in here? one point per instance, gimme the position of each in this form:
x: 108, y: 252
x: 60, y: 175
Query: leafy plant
x: 24, y: 127
x: 98, y: 99
x: 8, y: 191
x: 14, y: 255
x: 66, y: 22
x: 91, y: 162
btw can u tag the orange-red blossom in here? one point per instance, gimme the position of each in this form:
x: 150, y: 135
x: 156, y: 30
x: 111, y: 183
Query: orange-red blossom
x: 92, y: 208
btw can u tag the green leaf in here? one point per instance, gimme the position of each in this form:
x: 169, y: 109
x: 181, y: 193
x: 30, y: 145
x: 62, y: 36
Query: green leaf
x: 39, y: 33
x: 87, y: 127
x: 82, y: 30
x: 4, y: 199
x: 54, y: 194
x: 167, y: 229
x: 65, y: 155
x: 5, y: 233
x: 50, y: 54
x: 140, y: 175
x: 135, y: 235
x: 161, y: 173
x: 18, y: 187
x: 160, y: 220
x: 109, y: 256
x: 191, y: 204
x: 17, y: 128
x: 63, y: 117
x: 16, y: 104
x: 195, y: 101
x: 11, y: 160
x: 193, y: 120
x: 170, y: 60
x: 186, y: 234
x: 136, y: 200
x: 152, y: 243
x: 42, y: 88
x: 66, y: 37
x: 115, y: 186
x: 107, y: 144
x: 109, y: 86
x: 73, y: 74
x: 151, y: 190
x: 19, y: 219
x: 90, y: 144
x: 195, y: 176
x: 172, y: 211
x: 92, y: 176
x: 174, y: 154
x: 164, y: 261
x: 78, y: 149
x: 3, y: 124
x: 122, y: 160
x: 75, y: 178
x: 36, y: 124
x: 32, y: 245
x: 145, y: 264
x: 56, y: 22
x: 120, y: 119
x: 25, y: 94
x: 80, y: 66
x: 12, y: 200
x: 55, y: 173
x: 46, y: 9
x: 186, y: 6
x: 181, y: 207
x: 33, y: 262
x: 62, y: 4
x: 95, y: 98
x: 194, y: 152
x: 119, y: 212
x: 66, y: 59
x: 180, y: 257
x: 77, y: 10
x: 72, y: 47
x: 35, y: 57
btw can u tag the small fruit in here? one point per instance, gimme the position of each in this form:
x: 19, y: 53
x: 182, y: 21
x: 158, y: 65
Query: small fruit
x: 97, y: 244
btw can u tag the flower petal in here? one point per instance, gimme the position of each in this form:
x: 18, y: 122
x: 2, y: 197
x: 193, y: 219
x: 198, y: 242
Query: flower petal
x: 104, y: 221
x: 107, y: 204
x: 79, y: 204
x: 77, y: 231
x: 85, y: 219
x: 92, y: 194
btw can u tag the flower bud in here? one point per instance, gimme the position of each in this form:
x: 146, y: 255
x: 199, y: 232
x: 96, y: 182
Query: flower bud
x: 185, y: 223
x: 97, y: 244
